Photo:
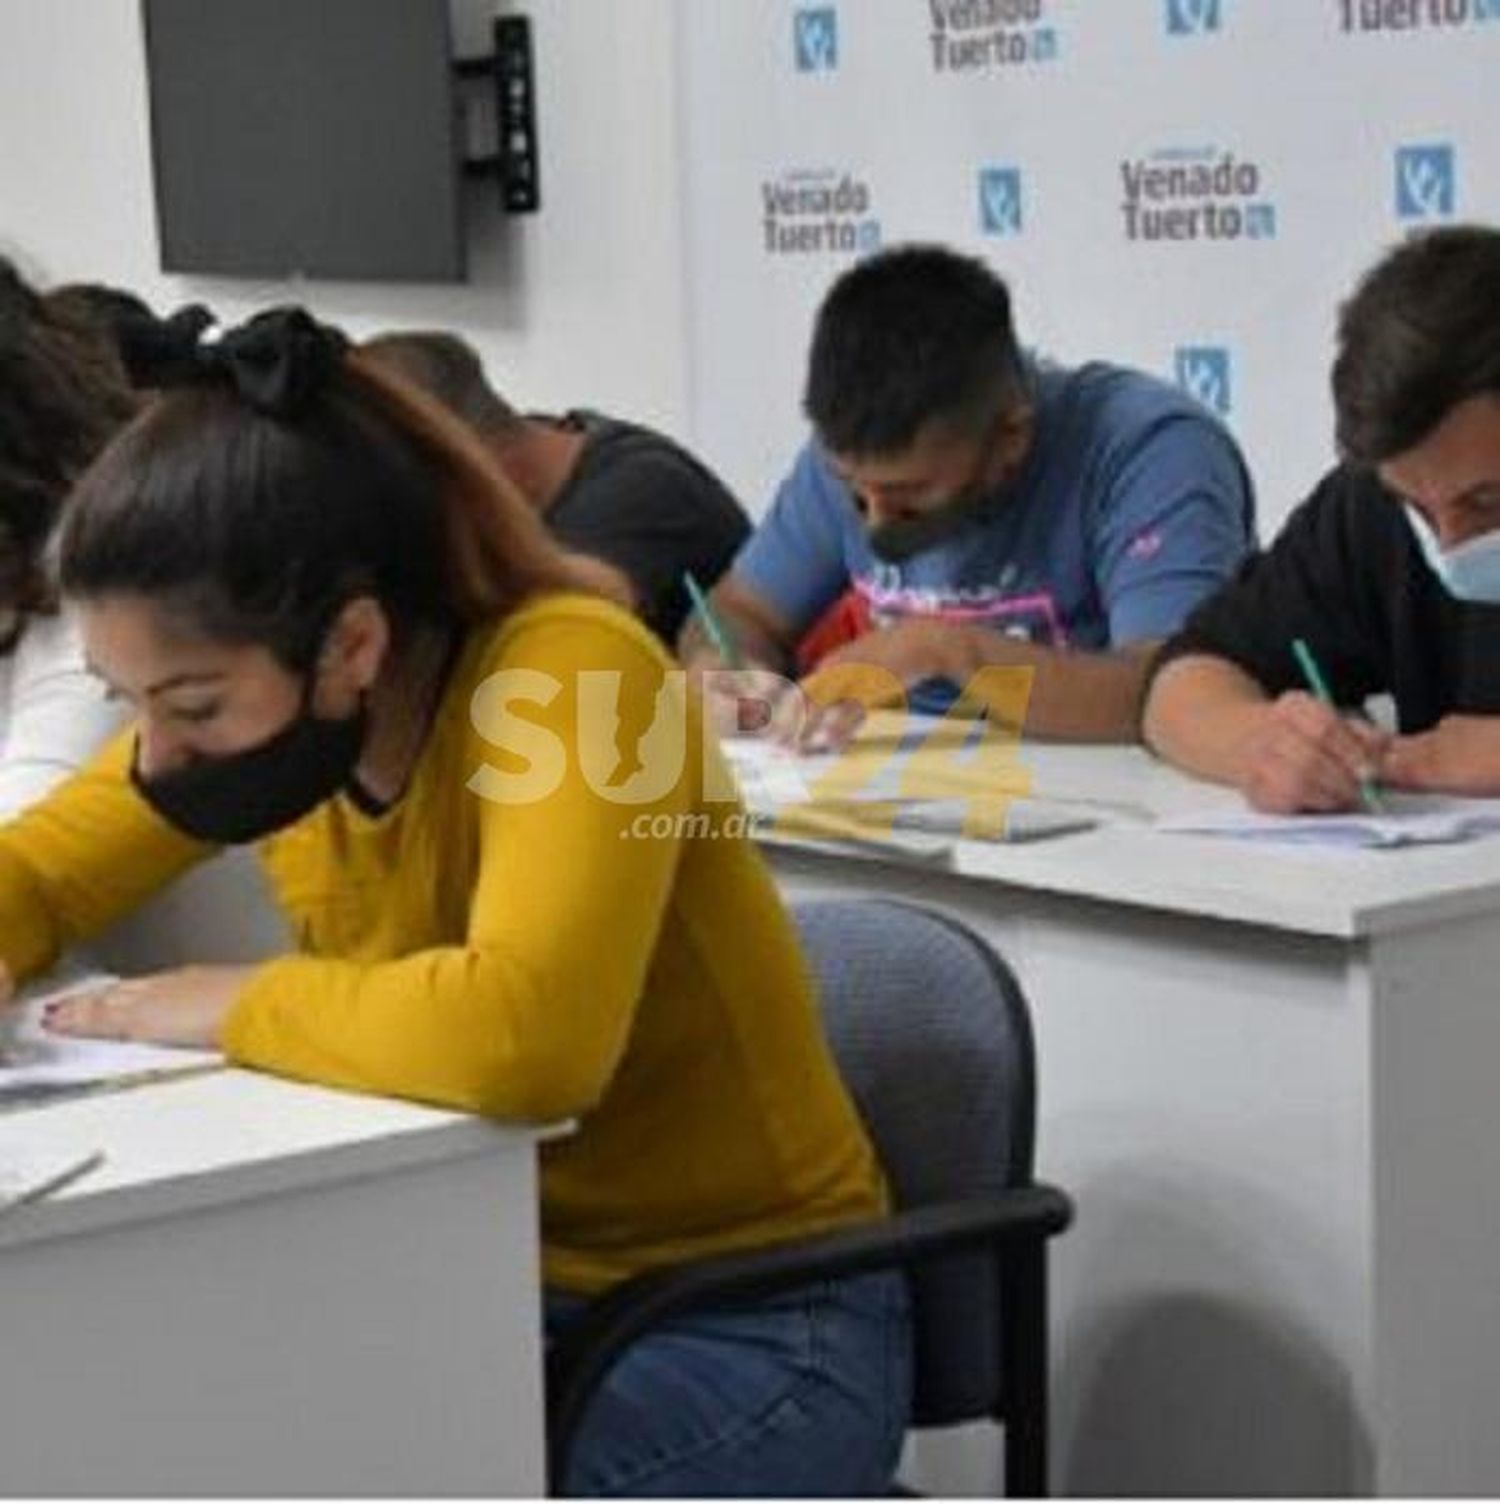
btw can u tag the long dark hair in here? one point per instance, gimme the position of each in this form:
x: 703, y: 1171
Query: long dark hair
x: 62, y: 395
x: 250, y: 525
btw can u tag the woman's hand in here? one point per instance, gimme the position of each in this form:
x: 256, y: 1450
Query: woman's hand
x: 186, y: 1006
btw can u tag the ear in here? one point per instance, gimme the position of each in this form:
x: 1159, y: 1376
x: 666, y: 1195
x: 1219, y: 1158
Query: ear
x: 1019, y: 425
x: 1017, y: 433
x: 354, y: 651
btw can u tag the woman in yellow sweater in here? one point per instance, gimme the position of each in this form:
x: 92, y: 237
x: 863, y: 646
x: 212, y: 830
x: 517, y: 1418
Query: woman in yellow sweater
x: 346, y: 638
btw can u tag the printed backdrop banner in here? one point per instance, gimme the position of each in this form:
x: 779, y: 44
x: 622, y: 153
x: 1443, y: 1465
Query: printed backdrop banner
x: 1188, y: 186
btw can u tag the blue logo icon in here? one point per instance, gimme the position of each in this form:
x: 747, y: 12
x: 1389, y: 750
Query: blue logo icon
x: 816, y: 36
x: 1425, y: 182
x: 1260, y: 221
x: 1044, y: 47
x: 1191, y: 18
x: 1203, y: 373
x: 1000, y: 200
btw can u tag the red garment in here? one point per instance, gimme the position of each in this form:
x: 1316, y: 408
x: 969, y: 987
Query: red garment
x: 846, y: 619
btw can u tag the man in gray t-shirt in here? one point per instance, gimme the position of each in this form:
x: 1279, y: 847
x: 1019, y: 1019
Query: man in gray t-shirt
x: 616, y: 490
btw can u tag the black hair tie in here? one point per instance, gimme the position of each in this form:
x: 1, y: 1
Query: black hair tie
x: 279, y: 362
x: 164, y: 352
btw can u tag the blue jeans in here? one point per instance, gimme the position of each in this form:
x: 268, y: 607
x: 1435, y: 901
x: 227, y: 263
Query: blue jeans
x: 801, y: 1396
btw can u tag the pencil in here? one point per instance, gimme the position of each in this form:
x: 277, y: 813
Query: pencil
x: 1319, y: 686
x: 718, y: 633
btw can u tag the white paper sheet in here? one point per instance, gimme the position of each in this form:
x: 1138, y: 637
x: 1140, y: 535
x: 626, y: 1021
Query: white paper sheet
x: 38, y: 1059
x: 772, y: 779
x: 1407, y: 820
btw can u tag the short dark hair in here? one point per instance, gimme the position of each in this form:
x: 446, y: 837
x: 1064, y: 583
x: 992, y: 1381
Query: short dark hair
x: 1420, y: 335
x: 448, y: 368
x: 62, y: 396
x: 911, y: 335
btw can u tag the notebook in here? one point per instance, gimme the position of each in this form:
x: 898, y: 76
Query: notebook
x: 1405, y: 820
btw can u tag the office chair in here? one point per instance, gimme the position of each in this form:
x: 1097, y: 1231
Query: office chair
x: 933, y: 1037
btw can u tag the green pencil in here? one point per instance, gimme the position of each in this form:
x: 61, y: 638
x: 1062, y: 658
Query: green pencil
x: 1319, y: 686
x: 718, y: 633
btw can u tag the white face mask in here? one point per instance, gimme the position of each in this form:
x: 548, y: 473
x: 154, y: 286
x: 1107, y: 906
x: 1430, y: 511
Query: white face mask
x: 1470, y: 572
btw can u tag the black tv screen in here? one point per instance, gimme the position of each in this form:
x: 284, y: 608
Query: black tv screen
x: 305, y: 136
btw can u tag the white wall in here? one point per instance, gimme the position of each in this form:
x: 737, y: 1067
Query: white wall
x: 579, y: 305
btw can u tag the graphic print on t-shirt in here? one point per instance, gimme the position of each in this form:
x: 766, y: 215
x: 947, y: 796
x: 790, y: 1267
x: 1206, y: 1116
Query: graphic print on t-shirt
x: 1008, y: 606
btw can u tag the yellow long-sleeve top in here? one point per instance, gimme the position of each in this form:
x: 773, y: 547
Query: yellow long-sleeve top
x: 553, y: 921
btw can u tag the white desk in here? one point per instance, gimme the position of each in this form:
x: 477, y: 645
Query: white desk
x: 1272, y: 1080
x: 272, y: 1289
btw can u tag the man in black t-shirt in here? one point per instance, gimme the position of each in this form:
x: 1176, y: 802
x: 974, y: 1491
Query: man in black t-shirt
x: 619, y: 491
x: 1390, y: 570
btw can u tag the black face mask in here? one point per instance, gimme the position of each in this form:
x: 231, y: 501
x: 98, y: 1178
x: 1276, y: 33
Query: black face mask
x: 897, y: 541
x: 982, y: 498
x: 247, y: 795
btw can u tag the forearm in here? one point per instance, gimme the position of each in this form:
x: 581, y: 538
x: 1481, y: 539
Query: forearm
x: 758, y: 647
x: 463, y: 1027
x: 1074, y: 696
x: 1200, y: 712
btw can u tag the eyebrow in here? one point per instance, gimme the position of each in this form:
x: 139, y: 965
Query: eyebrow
x: 1466, y: 497
x: 174, y: 681
x: 177, y: 681
x: 915, y: 483
x: 1474, y: 492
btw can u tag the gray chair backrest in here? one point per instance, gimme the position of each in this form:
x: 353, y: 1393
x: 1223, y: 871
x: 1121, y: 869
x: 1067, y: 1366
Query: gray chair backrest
x: 933, y: 1038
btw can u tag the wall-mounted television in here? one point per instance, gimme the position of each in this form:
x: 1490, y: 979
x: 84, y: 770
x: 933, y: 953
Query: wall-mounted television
x: 312, y: 137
